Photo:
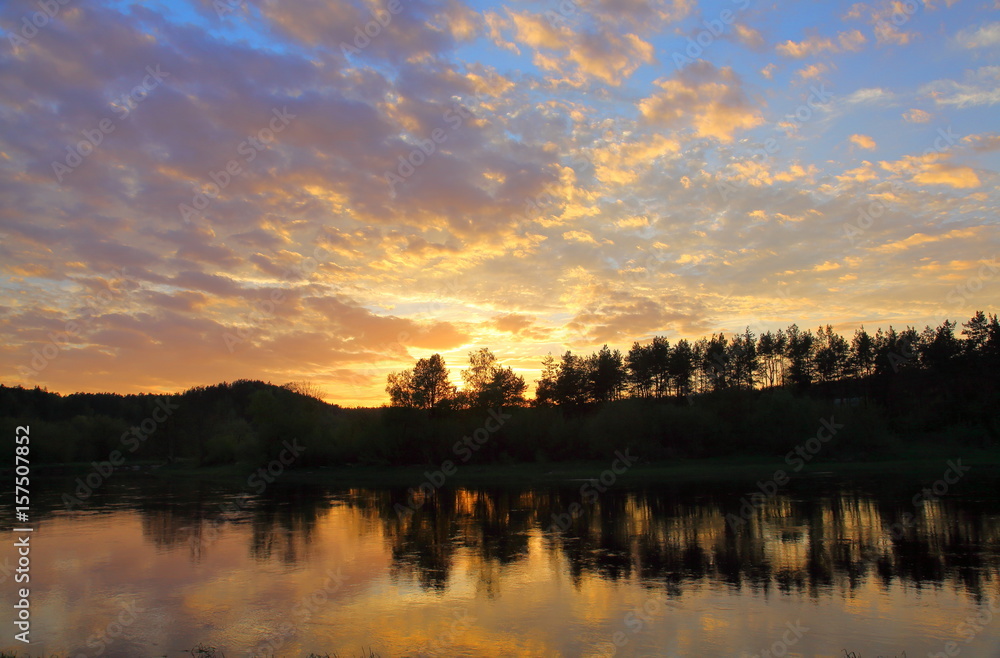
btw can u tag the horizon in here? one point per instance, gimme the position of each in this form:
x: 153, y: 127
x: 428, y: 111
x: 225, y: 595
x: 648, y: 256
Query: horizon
x: 309, y: 388
x: 257, y: 191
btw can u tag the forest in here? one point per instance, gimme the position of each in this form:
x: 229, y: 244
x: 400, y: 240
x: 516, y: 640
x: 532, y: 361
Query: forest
x: 787, y: 358
x: 745, y: 394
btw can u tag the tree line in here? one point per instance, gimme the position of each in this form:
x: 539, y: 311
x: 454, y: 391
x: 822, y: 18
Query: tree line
x: 245, y: 421
x: 790, y: 358
x: 737, y: 395
x: 427, y: 386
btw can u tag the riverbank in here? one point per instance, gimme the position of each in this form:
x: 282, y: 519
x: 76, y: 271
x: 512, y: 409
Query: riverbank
x: 923, y: 461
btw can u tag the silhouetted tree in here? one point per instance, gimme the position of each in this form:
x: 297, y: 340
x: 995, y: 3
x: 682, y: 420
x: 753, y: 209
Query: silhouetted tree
x: 924, y: 382
x: 981, y: 347
x: 639, y: 370
x: 771, y: 348
x: 659, y: 356
x: 605, y: 375
x: 547, y: 385
x: 799, y: 352
x: 479, y: 375
x: 742, y: 359
x: 862, y: 356
x: 425, y: 387
x: 488, y: 384
x: 831, y: 355
x: 571, y: 383
x: 399, y: 386
x: 715, y: 363
x: 507, y: 389
x: 977, y: 333
x: 681, y: 366
x: 895, y: 350
x: 939, y: 348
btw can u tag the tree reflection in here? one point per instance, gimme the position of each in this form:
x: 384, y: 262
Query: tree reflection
x: 813, y: 540
x: 815, y: 545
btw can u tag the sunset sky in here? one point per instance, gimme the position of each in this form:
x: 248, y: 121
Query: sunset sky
x: 592, y: 172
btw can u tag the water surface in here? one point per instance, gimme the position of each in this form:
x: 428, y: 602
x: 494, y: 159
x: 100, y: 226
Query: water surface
x: 152, y: 567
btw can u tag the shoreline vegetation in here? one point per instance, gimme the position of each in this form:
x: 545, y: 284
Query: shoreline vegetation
x: 925, y: 459
x: 804, y: 402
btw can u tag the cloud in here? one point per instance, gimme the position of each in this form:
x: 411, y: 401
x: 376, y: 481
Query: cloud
x: 464, y: 23
x: 627, y: 315
x: 933, y: 169
x: 710, y: 100
x: 405, y: 37
x: 887, y: 18
x: 640, y: 14
x: 603, y: 54
x: 811, y: 46
x: 855, y: 11
x: 851, y: 41
x: 920, y: 239
x: 812, y: 71
x: 870, y: 95
x: 984, y: 143
x: 369, y: 330
x: 579, y: 236
x: 986, y: 35
x: 623, y: 162
x: 886, y: 33
x: 863, y: 142
x: 577, y: 190
x: 495, y: 27
x: 863, y: 174
x: 749, y: 37
x: 520, y: 325
x: 917, y: 116
x: 797, y: 172
x: 979, y: 87
x: 941, y: 173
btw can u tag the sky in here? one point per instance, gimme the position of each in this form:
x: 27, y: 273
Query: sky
x: 327, y: 191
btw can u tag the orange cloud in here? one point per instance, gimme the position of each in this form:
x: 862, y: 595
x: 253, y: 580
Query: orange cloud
x: 948, y: 174
x: 918, y: 239
x: 712, y: 100
x: 851, y: 41
x: 862, y: 174
x: 810, y: 46
x: 812, y: 71
x: 863, y: 141
x: 608, y: 56
x: 917, y: 116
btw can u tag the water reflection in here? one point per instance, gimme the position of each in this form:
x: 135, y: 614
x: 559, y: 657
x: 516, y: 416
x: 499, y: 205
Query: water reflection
x: 281, y: 523
x: 837, y: 540
x: 519, y: 556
